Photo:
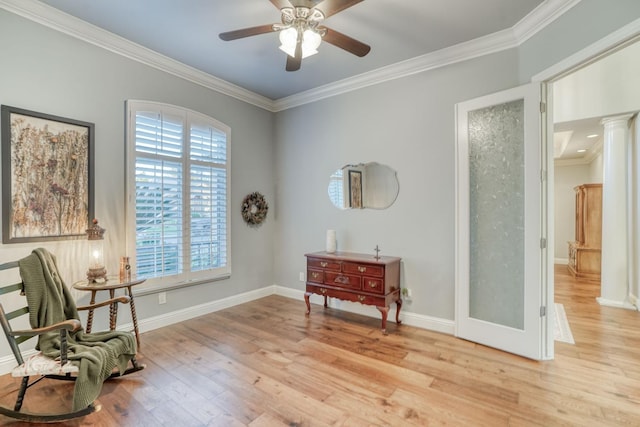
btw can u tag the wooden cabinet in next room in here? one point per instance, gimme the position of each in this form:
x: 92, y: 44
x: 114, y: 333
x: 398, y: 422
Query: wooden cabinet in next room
x: 585, y: 251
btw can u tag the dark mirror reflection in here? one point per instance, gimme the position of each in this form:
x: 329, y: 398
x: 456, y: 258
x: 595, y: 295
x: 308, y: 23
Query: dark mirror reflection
x: 365, y: 185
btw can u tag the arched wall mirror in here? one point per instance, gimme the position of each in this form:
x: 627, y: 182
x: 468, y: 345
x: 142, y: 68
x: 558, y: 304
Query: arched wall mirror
x: 365, y: 185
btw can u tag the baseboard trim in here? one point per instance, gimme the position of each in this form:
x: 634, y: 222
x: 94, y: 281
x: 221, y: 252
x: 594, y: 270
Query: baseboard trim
x: 435, y: 324
x: 167, y: 319
x: 563, y: 261
x: 618, y: 304
x: 7, y: 363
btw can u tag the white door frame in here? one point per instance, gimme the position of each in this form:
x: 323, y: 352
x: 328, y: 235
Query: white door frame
x: 524, y: 340
x: 603, y: 47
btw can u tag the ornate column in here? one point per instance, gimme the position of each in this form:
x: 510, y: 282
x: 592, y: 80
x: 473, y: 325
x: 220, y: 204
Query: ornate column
x: 614, y: 286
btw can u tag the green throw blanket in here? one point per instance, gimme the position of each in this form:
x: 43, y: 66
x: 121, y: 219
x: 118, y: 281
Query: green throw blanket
x: 96, y: 354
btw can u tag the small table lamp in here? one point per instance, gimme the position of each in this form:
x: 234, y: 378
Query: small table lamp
x: 97, y: 271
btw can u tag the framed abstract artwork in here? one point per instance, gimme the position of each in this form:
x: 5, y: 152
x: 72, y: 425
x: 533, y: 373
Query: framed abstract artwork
x: 47, y: 176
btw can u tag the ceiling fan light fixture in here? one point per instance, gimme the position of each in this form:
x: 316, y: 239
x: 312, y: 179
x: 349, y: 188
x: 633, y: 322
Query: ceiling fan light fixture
x: 301, y: 31
x: 310, y: 42
x: 288, y: 38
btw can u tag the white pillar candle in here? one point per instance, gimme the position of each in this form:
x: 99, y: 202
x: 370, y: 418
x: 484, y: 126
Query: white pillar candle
x: 331, y: 241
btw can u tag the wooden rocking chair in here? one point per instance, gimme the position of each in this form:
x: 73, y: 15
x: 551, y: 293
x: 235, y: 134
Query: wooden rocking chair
x: 41, y: 366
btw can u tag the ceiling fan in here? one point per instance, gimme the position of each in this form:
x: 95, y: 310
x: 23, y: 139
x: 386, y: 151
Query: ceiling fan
x: 301, y: 32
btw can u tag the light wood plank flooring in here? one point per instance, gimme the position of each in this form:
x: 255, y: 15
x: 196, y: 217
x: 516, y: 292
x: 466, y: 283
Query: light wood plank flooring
x: 267, y: 364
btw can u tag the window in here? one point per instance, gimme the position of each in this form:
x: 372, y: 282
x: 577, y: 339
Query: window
x: 336, y: 188
x: 178, y: 192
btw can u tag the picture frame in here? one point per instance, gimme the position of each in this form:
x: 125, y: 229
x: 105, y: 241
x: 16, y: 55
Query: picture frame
x: 355, y: 189
x: 47, y: 176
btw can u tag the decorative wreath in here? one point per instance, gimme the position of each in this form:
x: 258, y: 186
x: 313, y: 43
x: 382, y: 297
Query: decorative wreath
x: 254, y: 208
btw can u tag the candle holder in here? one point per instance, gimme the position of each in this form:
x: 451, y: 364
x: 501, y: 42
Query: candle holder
x: 125, y: 270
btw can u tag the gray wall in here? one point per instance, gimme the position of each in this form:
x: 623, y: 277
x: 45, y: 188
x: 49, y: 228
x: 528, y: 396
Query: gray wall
x: 579, y: 27
x: 407, y: 124
x: 46, y: 71
x: 566, y: 178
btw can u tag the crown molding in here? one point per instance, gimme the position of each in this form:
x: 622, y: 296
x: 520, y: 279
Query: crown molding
x: 570, y: 162
x: 594, y: 152
x: 53, y: 18
x: 617, y: 39
x: 72, y: 26
x: 535, y: 21
x: 540, y: 17
x: 461, y: 52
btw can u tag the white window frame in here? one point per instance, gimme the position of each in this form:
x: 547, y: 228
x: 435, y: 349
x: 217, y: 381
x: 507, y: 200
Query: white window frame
x: 187, y: 277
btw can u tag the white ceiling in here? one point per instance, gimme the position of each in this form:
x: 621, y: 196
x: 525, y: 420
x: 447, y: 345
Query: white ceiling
x: 571, y: 138
x: 407, y: 33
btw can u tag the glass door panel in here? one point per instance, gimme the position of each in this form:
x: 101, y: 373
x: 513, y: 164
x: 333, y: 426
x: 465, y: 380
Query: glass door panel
x: 496, y: 203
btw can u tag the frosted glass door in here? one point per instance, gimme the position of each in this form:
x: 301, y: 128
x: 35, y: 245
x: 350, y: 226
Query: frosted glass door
x: 496, y: 211
x: 498, y: 226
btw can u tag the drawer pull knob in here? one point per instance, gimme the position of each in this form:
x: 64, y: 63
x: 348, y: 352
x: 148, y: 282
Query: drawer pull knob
x: 315, y: 275
x: 342, y: 279
x: 361, y: 298
x: 373, y: 284
x: 362, y: 269
x: 324, y: 264
x: 323, y: 291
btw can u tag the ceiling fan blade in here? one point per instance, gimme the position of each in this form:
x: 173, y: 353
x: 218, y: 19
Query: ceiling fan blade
x: 246, y: 32
x: 293, y: 64
x: 345, y: 42
x: 331, y: 7
x: 305, y: 3
x: 280, y: 4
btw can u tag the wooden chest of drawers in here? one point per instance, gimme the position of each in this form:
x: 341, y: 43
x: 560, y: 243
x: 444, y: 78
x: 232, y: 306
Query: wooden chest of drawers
x: 355, y: 277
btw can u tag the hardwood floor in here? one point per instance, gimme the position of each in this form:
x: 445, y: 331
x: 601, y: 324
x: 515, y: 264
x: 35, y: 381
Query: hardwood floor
x: 265, y: 363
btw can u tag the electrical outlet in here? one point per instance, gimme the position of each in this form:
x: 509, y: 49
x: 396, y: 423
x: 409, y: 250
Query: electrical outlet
x: 301, y: 276
x: 162, y: 298
x: 406, y: 292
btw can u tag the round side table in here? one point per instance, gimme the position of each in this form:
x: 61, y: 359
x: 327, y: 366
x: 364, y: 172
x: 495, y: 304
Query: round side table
x: 111, y: 285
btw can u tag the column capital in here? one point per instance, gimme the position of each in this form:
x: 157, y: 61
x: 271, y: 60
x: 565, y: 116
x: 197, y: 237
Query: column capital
x: 623, y: 118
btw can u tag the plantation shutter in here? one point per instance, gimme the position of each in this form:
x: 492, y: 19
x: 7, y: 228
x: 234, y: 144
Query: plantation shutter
x: 208, y: 181
x: 180, y: 173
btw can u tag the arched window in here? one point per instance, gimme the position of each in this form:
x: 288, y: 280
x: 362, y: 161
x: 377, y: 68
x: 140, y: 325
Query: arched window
x: 178, y: 194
